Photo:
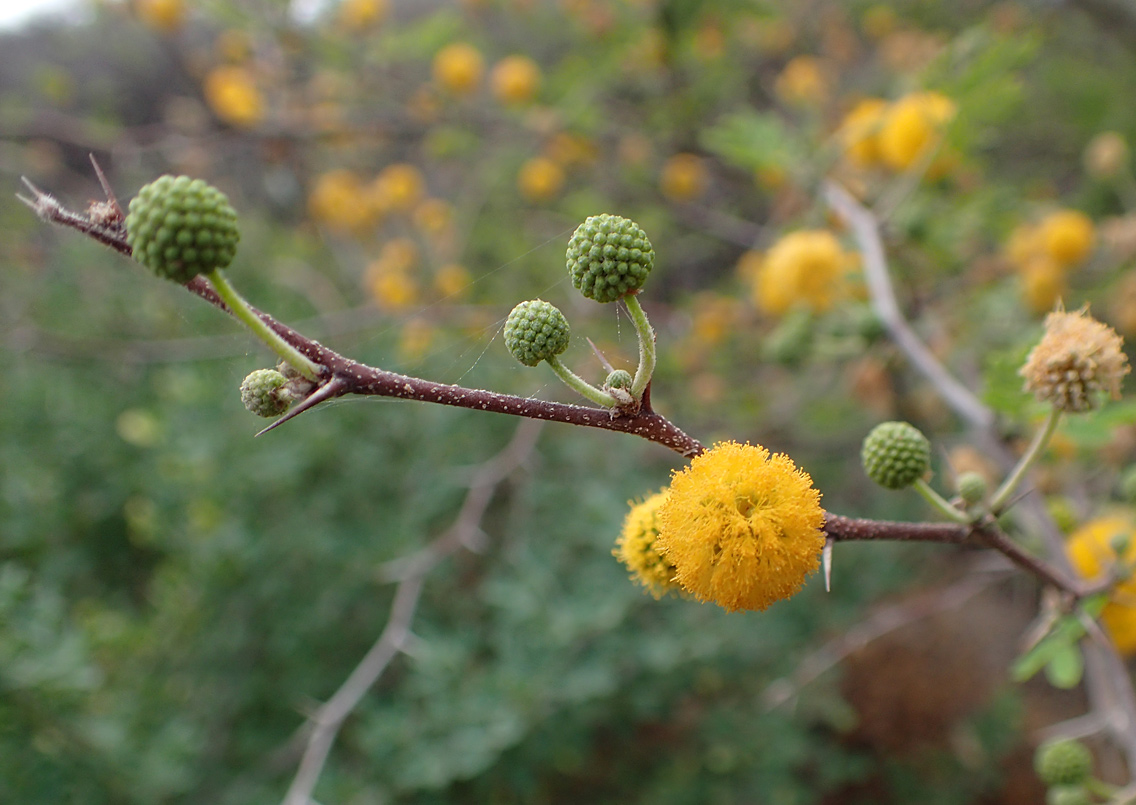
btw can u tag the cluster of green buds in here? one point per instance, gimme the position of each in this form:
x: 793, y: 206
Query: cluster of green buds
x: 609, y: 258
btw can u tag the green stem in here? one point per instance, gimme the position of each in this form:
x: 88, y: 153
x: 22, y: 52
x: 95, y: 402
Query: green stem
x: 242, y: 311
x: 1040, y: 440
x: 646, y: 346
x: 939, y: 503
x: 581, y: 386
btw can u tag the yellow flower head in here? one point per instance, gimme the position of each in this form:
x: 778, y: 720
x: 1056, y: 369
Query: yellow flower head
x: 638, y: 550
x: 232, y: 94
x: 742, y: 527
x: 540, y: 179
x: 684, y: 177
x: 807, y: 267
x: 515, y: 80
x: 1067, y: 236
x: 914, y: 126
x: 458, y: 68
x: 1092, y: 550
x: 803, y: 82
x: 1077, y: 358
x: 860, y: 131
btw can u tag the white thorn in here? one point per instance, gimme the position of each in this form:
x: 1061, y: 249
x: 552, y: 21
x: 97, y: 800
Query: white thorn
x: 826, y: 560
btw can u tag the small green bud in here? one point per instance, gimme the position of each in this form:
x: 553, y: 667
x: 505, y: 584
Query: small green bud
x: 264, y: 393
x: 536, y: 331
x: 609, y: 257
x: 972, y: 488
x: 180, y: 227
x: 619, y: 379
x: 895, y: 455
x: 1063, y: 762
x: 1068, y: 795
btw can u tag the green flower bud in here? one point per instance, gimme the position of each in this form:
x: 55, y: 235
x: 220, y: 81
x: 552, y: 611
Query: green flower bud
x: 264, y: 393
x: 536, y: 331
x: 972, y: 488
x: 180, y: 227
x: 895, y: 455
x: 609, y: 257
x: 1063, y: 762
x: 1068, y: 795
x: 619, y: 379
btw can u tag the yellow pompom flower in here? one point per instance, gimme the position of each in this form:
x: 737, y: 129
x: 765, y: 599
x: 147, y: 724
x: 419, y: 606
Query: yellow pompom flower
x: 540, y: 179
x: 1092, y: 551
x: 803, y: 82
x: 1068, y: 236
x: 515, y: 80
x: 458, y: 68
x: 452, y: 279
x: 913, y: 127
x: 808, y: 267
x: 399, y: 187
x: 637, y: 548
x: 339, y: 199
x: 1043, y: 284
x: 860, y: 132
x: 742, y: 527
x: 232, y: 94
x: 164, y: 16
x: 684, y: 177
x: 359, y: 15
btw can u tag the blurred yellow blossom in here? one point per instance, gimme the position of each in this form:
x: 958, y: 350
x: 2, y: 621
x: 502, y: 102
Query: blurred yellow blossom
x: 433, y: 216
x: 515, y: 80
x: 1093, y: 551
x: 860, y: 131
x: 1068, y: 236
x: 684, y: 177
x: 458, y: 68
x: 399, y: 187
x: 452, y: 280
x: 232, y: 94
x: 1106, y: 155
x: 339, y: 199
x: 359, y: 15
x: 808, y: 267
x: 803, y: 82
x: 540, y: 179
x: 913, y: 127
x: 164, y: 16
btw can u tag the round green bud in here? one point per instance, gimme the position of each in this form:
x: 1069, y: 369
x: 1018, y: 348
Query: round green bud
x: 609, y: 257
x: 180, y: 227
x: 972, y: 488
x: 536, y: 331
x: 264, y: 394
x: 1068, y: 795
x: 1063, y: 762
x: 619, y: 379
x: 895, y: 455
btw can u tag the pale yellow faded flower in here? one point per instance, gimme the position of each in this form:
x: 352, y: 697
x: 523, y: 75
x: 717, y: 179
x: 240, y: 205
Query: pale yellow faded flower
x: 1076, y: 360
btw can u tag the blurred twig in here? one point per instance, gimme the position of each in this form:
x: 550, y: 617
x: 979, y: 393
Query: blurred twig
x: 324, y: 724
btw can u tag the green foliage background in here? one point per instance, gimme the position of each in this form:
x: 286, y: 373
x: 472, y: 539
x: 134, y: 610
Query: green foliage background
x: 175, y: 595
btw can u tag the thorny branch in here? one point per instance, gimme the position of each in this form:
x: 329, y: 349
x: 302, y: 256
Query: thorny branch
x: 324, y: 724
x: 1108, y: 686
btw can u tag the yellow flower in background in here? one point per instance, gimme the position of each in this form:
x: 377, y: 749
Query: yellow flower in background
x: 567, y: 149
x: 232, y: 94
x: 164, y: 16
x: 399, y: 186
x: 1043, y: 284
x: 803, y: 82
x: 458, y: 68
x: 433, y: 216
x: 400, y: 255
x: 860, y: 131
x: 808, y: 267
x: 636, y: 548
x: 515, y: 80
x: 358, y: 15
x: 415, y: 339
x: 391, y: 289
x: 741, y: 527
x: 339, y: 199
x: 452, y: 279
x: 913, y: 127
x: 540, y: 179
x: 684, y: 177
x: 1068, y: 236
x: 1092, y: 550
